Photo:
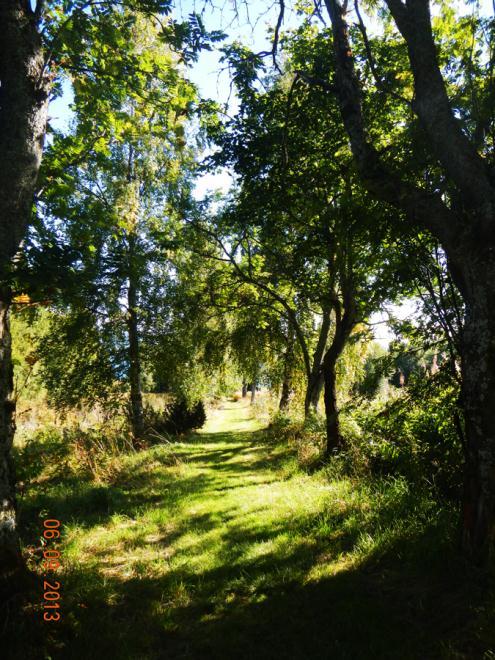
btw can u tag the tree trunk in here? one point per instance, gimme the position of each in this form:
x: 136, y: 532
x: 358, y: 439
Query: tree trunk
x: 244, y: 390
x: 334, y: 439
x: 286, y: 395
x: 345, y: 319
x: 287, y: 389
x: 23, y: 114
x: 287, y: 385
x: 10, y: 552
x: 137, y: 420
x: 253, y: 391
x: 315, y: 378
x: 478, y: 398
x: 313, y: 392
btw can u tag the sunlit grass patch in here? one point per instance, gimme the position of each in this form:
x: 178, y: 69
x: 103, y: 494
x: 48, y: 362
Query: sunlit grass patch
x: 228, y: 545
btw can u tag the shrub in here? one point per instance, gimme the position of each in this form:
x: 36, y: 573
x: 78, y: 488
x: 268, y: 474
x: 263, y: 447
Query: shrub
x: 176, y: 419
x: 182, y: 418
x: 415, y: 435
x: 155, y: 423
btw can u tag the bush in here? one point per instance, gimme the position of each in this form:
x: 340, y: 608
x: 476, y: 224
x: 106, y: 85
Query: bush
x: 415, y: 435
x: 176, y: 419
x: 182, y: 418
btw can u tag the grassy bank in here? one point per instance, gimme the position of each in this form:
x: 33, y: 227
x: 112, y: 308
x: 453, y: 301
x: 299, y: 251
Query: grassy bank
x: 220, y: 547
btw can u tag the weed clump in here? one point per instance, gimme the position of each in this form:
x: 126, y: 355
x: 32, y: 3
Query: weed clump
x: 305, y: 436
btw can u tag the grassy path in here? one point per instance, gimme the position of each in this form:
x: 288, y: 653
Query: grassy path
x: 205, y: 545
x: 223, y: 550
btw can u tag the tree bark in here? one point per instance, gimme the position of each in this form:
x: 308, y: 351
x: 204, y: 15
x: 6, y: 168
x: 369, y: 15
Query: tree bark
x: 313, y: 391
x: 253, y: 391
x: 244, y: 390
x: 24, y: 88
x: 344, y: 322
x: 287, y: 387
x: 10, y: 552
x: 334, y: 438
x: 315, y: 377
x: 24, y: 91
x: 478, y: 399
x: 287, y: 384
x: 286, y: 394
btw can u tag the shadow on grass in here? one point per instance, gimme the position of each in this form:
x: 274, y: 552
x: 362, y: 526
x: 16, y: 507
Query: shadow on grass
x: 416, y: 601
x: 86, y: 503
x: 393, y: 609
x: 413, y: 599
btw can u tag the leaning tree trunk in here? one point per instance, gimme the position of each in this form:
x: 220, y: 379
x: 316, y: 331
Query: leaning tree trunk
x: 344, y: 322
x: 478, y: 398
x: 315, y: 377
x: 10, y: 555
x: 313, y: 392
x: 24, y: 88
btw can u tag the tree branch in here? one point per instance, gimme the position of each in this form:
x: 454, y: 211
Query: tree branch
x: 371, y: 60
x: 270, y: 291
x: 427, y: 209
x: 276, y: 34
x: 450, y: 144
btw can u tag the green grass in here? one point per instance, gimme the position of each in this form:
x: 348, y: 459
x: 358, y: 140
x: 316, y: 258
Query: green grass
x: 224, y: 549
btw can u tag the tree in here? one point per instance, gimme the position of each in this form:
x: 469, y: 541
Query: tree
x: 24, y: 104
x: 40, y: 41
x: 116, y: 209
x: 309, y: 236
x: 459, y: 212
